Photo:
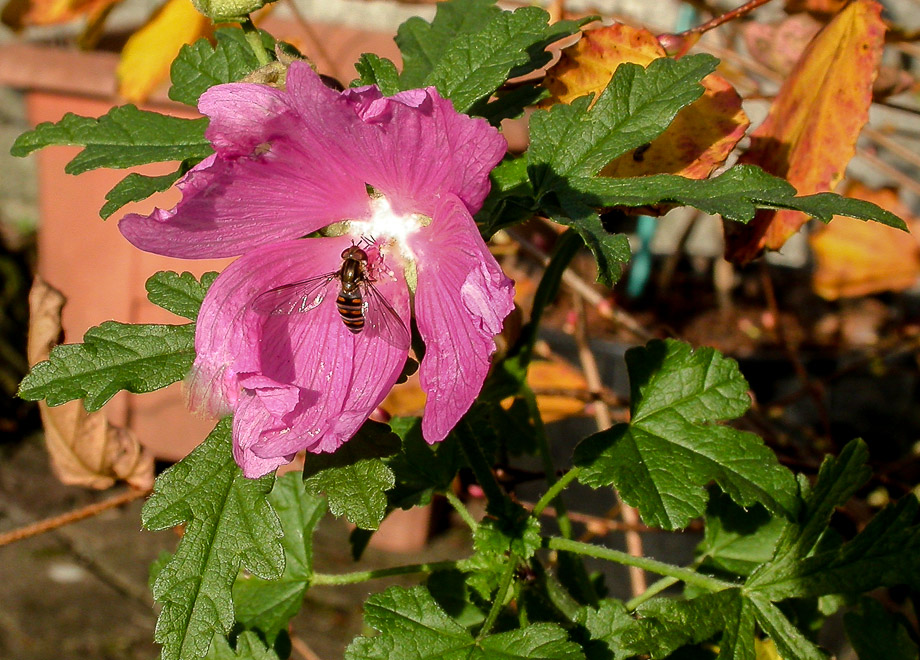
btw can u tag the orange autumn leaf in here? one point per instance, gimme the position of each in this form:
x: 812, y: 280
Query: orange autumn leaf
x: 148, y: 54
x: 85, y: 450
x: 701, y: 135
x: 810, y: 132
x: 820, y: 7
x: 856, y: 258
x: 779, y: 46
x: 17, y: 14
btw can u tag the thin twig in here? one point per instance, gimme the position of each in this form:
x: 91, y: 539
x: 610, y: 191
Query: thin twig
x: 49, y: 524
x: 604, y: 421
x: 302, y: 649
x: 738, y: 12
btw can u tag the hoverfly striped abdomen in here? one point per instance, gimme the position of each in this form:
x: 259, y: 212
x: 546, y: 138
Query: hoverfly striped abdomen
x: 351, y: 309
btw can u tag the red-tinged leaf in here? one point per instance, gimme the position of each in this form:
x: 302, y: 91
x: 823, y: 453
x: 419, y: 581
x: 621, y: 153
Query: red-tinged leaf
x: 701, y: 135
x: 810, y: 133
x: 856, y: 258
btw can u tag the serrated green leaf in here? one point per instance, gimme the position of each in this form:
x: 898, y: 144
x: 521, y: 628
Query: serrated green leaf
x: 510, y: 104
x: 200, y: 65
x: 450, y: 590
x: 518, y: 534
x: 414, y: 627
x: 248, y: 647
x: 511, y: 197
x: 375, y: 70
x: 838, y: 478
x: 180, y: 294
x: 661, y: 626
x: 123, y: 137
x: 637, y: 106
x: 878, y: 635
x: 611, y: 251
x: 268, y: 605
x: 738, y: 539
x: 472, y: 68
x: 354, y: 477
x: 662, y: 459
x: 789, y: 640
x: 736, y: 194
x: 113, y: 357
x: 229, y: 523
x: 423, y: 44
x: 134, y: 188
x: 885, y: 553
x: 420, y: 469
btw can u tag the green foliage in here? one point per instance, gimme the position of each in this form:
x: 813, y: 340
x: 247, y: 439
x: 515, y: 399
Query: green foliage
x: 736, y: 194
x: 471, y: 48
x: 738, y: 540
x: 375, y: 70
x: 414, y: 627
x: 113, y: 357
x: 420, y: 469
x: 228, y: 523
x: 268, y: 605
x: 662, y: 459
x: 355, y: 478
x: 180, y: 294
x: 202, y: 65
x: 123, y: 137
x: 134, y: 188
x: 248, y: 647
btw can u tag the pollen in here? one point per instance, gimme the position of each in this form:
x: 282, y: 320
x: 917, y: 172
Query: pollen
x: 385, y: 225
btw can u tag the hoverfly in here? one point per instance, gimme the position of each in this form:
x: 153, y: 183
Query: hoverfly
x: 360, y: 305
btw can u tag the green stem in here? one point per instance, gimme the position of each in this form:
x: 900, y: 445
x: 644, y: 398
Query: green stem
x: 500, y: 595
x: 364, y: 576
x: 254, y: 39
x: 685, y: 574
x: 554, y: 490
x: 653, y: 590
x: 463, y: 512
x: 495, y: 496
x: 565, y: 526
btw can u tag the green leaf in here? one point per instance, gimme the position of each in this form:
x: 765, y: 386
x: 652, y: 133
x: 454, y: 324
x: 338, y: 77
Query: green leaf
x: 838, y: 478
x: 662, y: 459
x: 510, y: 200
x: 268, y: 605
x: 611, y: 251
x: 736, y: 194
x: 414, y: 627
x: 877, y: 635
x: 354, y: 477
x: 789, y: 640
x: 113, y: 357
x: 518, y: 534
x: 375, y: 70
x: 134, y: 188
x: 637, y: 106
x: 423, y: 44
x: 123, y: 137
x: 473, y: 67
x: 229, y: 523
x: 738, y: 540
x: 248, y: 647
x: 180, y: 294
x: 885, y: 553
x: 471, y: 48
x: 200, y: 65
x: 420, y: 469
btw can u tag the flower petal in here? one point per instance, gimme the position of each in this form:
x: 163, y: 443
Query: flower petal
x: 422, y: 148
x: 461, y: 302
x: 293, y: 380
x: 284, y: 167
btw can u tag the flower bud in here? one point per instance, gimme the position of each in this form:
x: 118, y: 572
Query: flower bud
x: 228, y: 11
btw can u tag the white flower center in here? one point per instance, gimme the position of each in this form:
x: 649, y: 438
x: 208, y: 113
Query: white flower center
x: 386, y: 226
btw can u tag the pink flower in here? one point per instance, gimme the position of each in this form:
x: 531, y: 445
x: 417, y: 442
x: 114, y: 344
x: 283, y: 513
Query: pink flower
x: 397, y: 176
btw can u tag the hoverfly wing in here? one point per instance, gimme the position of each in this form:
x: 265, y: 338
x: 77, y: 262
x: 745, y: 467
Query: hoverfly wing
x: 381, y: 320
x: 295, y: 298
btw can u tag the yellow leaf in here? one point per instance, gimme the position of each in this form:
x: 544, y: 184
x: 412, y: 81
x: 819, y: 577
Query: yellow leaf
x: 856, y: 258
x: 148, y: 54
x: 766, y: 650
x: 20, y: 13
x: 85, y: 450
x: 810, y: 132
x: 701, y: 135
